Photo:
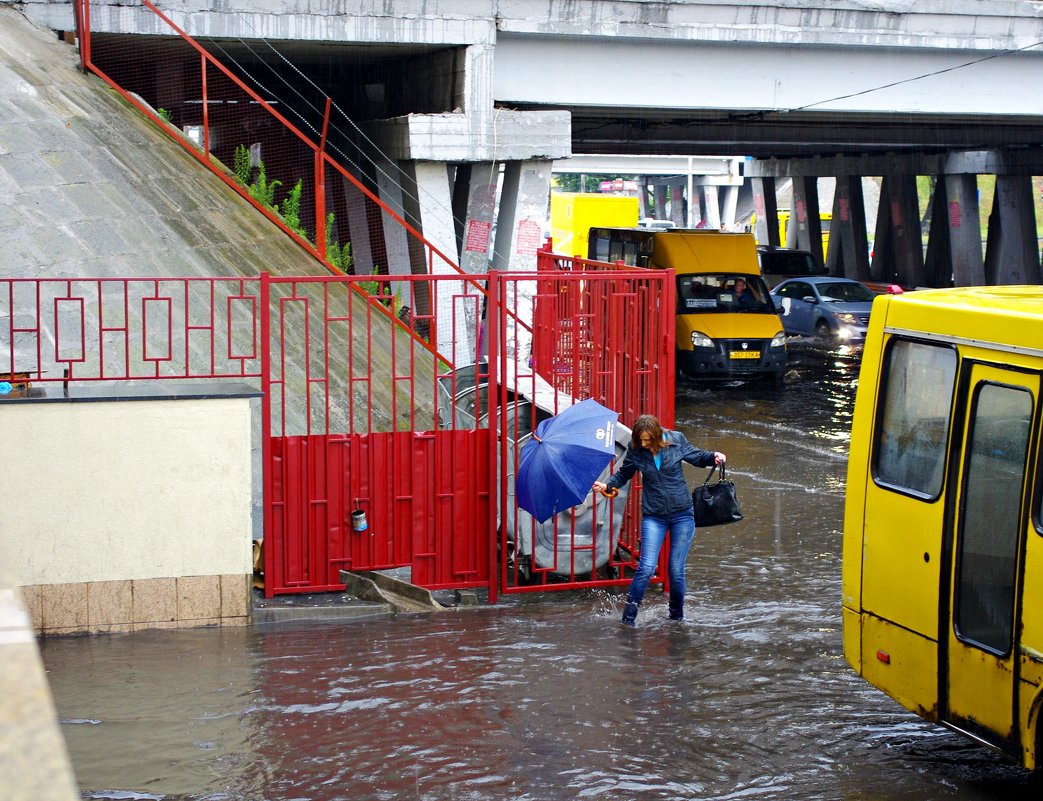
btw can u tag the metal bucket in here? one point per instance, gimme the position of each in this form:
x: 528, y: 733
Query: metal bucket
x: 358, y: 520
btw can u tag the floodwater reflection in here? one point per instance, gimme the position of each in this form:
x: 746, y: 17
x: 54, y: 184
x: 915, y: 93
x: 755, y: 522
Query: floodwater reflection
x: 547, y: 697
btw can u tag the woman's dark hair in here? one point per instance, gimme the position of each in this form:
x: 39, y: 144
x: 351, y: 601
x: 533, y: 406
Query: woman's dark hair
x: 647, y: 424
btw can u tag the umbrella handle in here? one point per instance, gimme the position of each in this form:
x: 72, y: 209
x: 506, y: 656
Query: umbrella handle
x: 612, y: 493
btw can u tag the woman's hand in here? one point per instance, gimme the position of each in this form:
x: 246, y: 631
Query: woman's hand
x: 600, y: 486
x: 719, y: 458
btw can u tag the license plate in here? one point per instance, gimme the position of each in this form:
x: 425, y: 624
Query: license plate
x: 745, y: 354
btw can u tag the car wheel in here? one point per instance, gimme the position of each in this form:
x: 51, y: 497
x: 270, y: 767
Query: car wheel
x: 822, y: 331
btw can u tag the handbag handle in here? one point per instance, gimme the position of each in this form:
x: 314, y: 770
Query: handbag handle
x: 714, y: 469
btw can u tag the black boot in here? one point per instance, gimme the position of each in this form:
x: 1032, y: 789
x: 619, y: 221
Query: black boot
x: 630, y: 613
x: 677, y: 608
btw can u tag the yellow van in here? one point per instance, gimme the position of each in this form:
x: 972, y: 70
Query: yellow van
x: 943, y: 526
x: 722, y: 334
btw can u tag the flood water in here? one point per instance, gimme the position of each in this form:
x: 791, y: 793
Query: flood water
x: 547, y: 697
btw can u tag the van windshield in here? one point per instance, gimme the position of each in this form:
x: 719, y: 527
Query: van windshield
x: 722, y: 292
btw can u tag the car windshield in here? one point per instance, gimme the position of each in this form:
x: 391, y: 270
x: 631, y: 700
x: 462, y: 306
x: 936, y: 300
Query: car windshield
x: 700, y: 293
x: 845, y: 292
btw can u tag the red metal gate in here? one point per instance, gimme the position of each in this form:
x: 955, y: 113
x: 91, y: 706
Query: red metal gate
x: 367, y: 412
x: 601, y: 332
x: 355, y: 421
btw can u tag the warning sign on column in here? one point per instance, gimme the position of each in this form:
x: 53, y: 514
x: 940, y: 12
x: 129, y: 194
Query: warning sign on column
x: 478, y: 236
x: 528, y: 238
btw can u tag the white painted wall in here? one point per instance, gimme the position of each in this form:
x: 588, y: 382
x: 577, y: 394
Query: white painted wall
x: 133, y: 489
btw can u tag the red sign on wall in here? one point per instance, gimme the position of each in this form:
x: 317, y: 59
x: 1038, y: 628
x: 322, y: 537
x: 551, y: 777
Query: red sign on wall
x: 478, y: 236
x: 955, y: 215
x: 528, y: 238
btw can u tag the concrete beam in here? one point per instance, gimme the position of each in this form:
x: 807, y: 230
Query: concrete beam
x: 651, y: 165
x: 963, y: 226
x: 509, y: 136
x: 976, y: 162
x: 1012, y: 254
x: 848, y: 252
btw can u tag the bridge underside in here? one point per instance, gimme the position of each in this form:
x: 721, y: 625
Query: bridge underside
x: 475, y: 144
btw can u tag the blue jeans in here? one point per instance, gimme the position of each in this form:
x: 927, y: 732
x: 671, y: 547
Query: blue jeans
x: 653, y: 531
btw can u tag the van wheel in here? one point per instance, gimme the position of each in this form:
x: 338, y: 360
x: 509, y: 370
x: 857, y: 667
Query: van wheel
x: 822, y: 332
x: 778, y: 380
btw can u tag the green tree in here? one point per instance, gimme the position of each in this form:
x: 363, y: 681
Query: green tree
x: 569, y: 181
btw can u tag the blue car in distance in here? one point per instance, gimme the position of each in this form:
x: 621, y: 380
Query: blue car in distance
x: 830, y: 309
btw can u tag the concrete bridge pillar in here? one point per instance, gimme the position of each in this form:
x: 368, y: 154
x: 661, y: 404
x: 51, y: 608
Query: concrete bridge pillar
x: 474, y: 210
x: 938, y: 271
x: 358, y: 230
x: 848, y: 252
x: 1012, y: 253
x: 729, y: 205
x: 661, y: 190
x: 898, y: 249
x: 711, y: 206
x: 677, y: 205
x: 421, y: 190
x: 963, y: 227
x: 804, y: 218
x: 766, y: 204
x: 523, y: 207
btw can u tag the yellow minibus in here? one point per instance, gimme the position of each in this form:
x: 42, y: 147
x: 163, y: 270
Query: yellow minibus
x: 727, y: 326
x: 943, y: 527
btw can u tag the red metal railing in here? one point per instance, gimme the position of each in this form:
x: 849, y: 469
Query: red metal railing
x: 119, y: 329
x: 213, y: 113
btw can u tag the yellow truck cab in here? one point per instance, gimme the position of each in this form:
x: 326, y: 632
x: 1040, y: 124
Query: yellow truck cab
x: 721, y: 334
x: 943, y: 524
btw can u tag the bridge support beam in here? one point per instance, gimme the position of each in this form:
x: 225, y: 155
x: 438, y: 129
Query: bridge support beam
x: 963, y: 226
x: 766, y: 205
x: 1012, y: 254
x: 898, y: 246
x: 848, y: 252
x: 806, y: 234
x: 474, y: 211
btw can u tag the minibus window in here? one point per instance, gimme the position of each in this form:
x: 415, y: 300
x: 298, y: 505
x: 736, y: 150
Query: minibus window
x: 994, y: 473
x: 916, y: 403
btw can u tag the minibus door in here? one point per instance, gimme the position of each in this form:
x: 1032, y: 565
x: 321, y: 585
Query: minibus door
x: 979, y: 675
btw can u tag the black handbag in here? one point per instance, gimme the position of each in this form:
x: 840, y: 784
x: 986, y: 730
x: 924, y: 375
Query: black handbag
x: 716, y: 504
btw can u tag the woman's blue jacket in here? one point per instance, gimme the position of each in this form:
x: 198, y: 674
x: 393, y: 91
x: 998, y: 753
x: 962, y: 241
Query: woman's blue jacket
x: 664, y: 491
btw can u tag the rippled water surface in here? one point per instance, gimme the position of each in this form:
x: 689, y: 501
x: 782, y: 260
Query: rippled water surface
x: 548, y: 697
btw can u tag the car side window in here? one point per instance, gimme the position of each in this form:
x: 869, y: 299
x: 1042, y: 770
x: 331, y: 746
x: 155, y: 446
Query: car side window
x: 798, y: 290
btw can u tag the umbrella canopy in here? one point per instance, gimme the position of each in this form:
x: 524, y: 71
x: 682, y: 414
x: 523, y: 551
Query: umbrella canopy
x: 564, y: 457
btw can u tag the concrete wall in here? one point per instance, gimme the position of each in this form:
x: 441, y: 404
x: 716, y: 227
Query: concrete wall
x: 127, y: 514
x: 34, y: 763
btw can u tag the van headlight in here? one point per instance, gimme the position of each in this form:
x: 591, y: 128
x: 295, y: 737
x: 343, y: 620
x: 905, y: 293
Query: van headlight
x: 779, y: 340
x: 700, y: 340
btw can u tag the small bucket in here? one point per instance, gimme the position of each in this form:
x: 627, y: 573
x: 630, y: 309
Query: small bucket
x: 358, y: 520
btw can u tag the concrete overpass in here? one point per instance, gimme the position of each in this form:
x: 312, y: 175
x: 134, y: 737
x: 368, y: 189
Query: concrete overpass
x: 457, y: 92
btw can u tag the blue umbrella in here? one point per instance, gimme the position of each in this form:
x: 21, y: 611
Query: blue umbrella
x: 564, y: 457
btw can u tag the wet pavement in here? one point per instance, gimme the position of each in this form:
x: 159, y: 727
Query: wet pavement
x: 547, y: 697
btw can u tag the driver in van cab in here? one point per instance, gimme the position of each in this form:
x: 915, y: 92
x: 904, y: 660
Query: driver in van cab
x: 743, y: 294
